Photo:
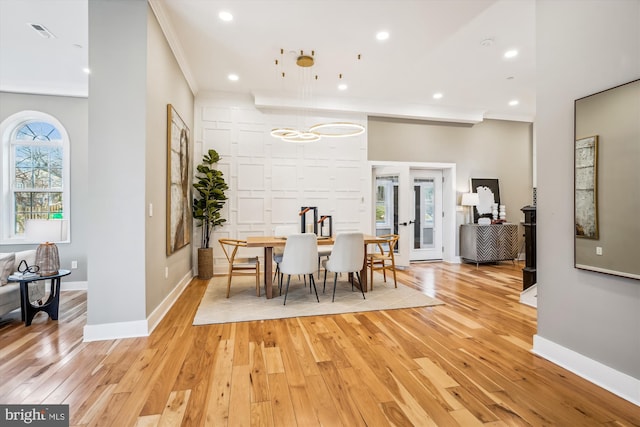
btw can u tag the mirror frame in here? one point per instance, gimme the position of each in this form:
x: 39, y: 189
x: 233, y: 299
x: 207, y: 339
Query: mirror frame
x: 606, y: 196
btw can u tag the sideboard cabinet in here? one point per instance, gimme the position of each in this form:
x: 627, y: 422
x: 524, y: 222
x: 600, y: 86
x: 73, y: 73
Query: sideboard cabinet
x: 489, y: 243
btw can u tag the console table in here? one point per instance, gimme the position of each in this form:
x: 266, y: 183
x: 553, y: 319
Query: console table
x: 50, y: 306
x: 489, y: 243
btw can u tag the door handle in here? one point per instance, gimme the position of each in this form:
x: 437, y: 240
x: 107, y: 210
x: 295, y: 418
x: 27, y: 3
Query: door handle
x: 412, y: 222
x: 403, y: 223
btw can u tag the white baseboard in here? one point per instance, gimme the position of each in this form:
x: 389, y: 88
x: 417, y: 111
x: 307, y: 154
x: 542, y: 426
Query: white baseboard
x: 163, y: 308
x: 112, y: 331
x: 530, y: 296
x: 618, y: 383
x: 137, y: 328
x: 74, y: 286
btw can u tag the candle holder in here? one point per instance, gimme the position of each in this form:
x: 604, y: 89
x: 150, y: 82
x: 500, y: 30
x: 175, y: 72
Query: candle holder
x: 303, y: 220
x: 326, y: 225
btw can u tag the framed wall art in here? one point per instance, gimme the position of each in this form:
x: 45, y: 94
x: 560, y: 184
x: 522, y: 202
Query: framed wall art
x: 488, y: 190
x: 586, y: 195
x: 178, y: 186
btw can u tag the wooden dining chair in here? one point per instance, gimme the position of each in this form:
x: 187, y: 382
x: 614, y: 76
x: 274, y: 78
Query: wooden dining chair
x: 240, y: 266
x: 384, y: 258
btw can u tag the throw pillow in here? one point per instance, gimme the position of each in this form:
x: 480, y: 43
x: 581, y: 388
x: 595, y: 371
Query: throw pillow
x: 7, y: 262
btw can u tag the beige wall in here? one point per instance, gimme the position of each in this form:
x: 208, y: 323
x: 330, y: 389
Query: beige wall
x: 491, y: 149
x: 165, y: 85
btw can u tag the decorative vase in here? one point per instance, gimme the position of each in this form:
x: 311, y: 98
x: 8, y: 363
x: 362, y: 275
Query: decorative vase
x: 205, y: 263
x: 47, y: 259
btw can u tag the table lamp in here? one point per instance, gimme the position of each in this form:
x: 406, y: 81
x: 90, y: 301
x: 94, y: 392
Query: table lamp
x: 48, y: 232
x: 471, y: 200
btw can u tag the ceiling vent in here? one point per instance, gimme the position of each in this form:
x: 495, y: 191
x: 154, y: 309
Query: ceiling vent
x: 42, y: 30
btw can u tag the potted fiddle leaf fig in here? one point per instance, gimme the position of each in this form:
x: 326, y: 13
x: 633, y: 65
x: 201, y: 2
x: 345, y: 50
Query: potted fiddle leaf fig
x: 210, y: 188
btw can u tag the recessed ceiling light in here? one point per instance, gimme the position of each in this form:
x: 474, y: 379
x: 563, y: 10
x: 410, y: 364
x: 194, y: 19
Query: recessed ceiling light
x: 511, y: 53
x: 233, y: 77
x: 382, y: 35
x: 514, y: 102
x: 342, y: 86
x: 486, y: 43
x: 42, y: 30
x: 437, y: 95
x: 225, y: 16
x: 86, y: 70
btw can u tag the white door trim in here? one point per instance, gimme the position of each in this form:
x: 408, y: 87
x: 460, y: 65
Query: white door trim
x: 448, y: 201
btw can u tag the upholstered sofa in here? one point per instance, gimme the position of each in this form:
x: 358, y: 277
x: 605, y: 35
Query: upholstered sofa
x: 10, y: 291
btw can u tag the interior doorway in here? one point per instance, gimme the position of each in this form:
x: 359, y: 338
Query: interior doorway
x: 417, y: 202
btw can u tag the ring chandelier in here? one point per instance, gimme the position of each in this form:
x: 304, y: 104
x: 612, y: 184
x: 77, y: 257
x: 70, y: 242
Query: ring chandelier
x: 316, y: 132
x: 320, y: 130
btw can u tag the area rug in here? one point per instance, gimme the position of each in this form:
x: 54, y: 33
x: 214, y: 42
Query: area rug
x: 243, y: 304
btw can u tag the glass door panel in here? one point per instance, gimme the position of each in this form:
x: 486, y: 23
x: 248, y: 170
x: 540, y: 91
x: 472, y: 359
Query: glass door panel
x: 427, y: 212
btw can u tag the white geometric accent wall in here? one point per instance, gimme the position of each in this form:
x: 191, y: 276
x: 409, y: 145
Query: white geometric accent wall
x: 269, y: 179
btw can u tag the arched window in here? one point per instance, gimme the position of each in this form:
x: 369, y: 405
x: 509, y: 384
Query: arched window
x: 35, y: 173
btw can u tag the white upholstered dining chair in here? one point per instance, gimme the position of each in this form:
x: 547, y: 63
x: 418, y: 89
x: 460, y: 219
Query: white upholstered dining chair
x: 300, y: 257
x: 282, y: 231
x: 347, y: 256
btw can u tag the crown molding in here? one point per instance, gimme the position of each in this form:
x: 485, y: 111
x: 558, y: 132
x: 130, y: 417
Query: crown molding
x: 169, y: 33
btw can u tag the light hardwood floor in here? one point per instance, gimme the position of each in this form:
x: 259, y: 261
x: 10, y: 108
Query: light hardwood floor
x: 465, y: 363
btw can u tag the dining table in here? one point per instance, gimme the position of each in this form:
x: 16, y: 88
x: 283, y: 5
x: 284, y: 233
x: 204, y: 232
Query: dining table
x: 270, y: 242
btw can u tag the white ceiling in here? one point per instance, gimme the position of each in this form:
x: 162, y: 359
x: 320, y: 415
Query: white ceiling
x: 434, y: 46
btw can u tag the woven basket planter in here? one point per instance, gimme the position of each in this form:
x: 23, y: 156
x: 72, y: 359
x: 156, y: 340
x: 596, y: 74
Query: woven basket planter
x: 205, y: 263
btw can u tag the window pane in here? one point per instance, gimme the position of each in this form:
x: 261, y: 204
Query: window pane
x: 56, y: 179
x: 23, y: 155
x: 38, y: 131
x: 38, y: 167
x: 24, y: 178
x: 39, y: 204
x: 55, y: 157
x: 55, y: 206
x: 19, y: 225
x: 41, y: 178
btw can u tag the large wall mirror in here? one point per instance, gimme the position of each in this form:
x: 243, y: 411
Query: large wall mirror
x: 607, y: 181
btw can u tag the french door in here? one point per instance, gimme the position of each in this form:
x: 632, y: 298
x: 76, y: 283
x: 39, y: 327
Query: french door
x: 408, y: 202
x: 426, y: 225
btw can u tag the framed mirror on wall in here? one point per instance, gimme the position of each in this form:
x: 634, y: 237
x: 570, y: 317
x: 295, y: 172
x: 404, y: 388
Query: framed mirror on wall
x: 586, y: 174
x: 607, y: 181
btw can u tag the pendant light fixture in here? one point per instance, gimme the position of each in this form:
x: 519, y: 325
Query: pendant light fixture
x: 319, y: 130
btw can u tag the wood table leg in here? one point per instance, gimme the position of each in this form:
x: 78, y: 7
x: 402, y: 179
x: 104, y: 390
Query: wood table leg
x: 268, y: 271
x: 363, y: 272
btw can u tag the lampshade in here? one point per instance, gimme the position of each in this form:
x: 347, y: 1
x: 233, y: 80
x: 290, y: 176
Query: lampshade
x: 46, y: 231
x: 470, y: 199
